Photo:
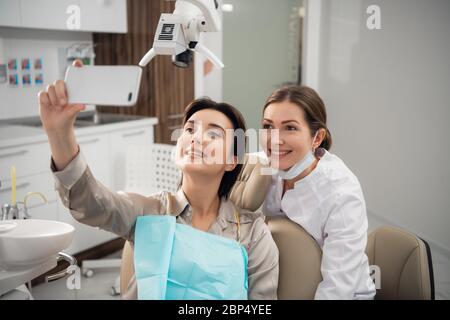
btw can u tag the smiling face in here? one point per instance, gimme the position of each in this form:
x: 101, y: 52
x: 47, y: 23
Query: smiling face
x: 205, y: 144
x: 286, y: 137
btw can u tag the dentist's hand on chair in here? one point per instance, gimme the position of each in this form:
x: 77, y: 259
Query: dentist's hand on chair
x: 58, y: 118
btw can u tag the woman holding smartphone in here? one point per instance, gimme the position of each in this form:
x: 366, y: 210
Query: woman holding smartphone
x: 201, y: 202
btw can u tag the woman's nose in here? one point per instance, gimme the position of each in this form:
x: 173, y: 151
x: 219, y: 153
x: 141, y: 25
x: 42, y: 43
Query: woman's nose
x: 196, y: 137
x: 274, y: 138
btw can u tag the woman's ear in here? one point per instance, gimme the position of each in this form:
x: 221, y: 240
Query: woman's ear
x: 320, y: 135
x: 230, y: 165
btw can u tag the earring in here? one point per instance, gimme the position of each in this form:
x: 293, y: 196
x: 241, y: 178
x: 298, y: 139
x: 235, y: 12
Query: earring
x: 319, y: 153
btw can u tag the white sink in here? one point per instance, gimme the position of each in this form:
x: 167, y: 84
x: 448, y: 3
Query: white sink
x: 29, y: 242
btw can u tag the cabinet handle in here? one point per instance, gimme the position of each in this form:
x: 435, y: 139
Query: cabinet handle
x: 19, y: 186
x: 11, y: 154
x: 89, y: 141
x: 125, y: 135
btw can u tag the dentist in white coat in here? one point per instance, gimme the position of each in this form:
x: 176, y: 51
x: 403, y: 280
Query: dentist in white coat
x: 315, y: 189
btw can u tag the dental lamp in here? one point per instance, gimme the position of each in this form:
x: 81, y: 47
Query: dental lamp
x: 178, y: 33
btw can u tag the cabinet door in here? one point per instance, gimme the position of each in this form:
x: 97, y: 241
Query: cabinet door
x: 28, y: 159
x: 85, y: 237
x: 119, y: 142
x: 47, y: 211
x: 104, y: 15
x: 43, y: 183
x: 47, y: 14
x: 10, y: 13
x: 37, y: 208
x: 96, y: 151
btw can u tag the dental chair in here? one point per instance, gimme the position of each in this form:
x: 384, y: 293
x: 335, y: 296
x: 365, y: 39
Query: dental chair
x: 403, y: 259
x: 404, y: 263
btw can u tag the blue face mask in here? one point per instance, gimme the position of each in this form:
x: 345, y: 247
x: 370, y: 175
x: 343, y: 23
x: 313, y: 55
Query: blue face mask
x: 300, y: 166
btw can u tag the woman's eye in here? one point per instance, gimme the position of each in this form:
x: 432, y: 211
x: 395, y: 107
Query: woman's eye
x: 267, y: 126
x: 213, y: 134
x: 189, y: 130
x: 291, y: 128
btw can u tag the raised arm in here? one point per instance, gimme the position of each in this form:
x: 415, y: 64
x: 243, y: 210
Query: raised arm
x: 89, y: 201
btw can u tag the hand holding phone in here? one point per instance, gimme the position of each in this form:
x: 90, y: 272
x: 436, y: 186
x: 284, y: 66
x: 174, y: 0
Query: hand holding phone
x: 58, y: 117
x: 60, y: 103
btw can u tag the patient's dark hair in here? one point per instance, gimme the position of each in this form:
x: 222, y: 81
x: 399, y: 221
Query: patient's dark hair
x: 229, y: 178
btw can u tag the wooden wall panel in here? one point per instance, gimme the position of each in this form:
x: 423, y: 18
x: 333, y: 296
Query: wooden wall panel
x: 165, y: 89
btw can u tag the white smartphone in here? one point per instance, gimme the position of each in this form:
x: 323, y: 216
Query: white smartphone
x: 103, y: 85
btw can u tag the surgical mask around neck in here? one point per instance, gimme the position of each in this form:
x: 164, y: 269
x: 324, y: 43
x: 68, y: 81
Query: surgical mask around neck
x: 300, y: 166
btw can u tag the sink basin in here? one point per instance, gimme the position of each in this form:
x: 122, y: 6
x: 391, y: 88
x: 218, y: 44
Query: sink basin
x: 32, y: 241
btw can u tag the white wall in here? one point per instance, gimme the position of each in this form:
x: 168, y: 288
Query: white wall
x: 388, y: 100
x: 259, y: 53
x: 20, y: 43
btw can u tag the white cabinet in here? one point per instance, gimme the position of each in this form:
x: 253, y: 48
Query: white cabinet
x: 85, y: 236
x: 95, y: 149
x: 120, y: 141
x: 104, y: 15
x: 104, y: 148
x: 48, y: 211
x: 10, y: 13
x: 42, y: 183
x: 93, y: 15
x: 28, y: 159
x: 105, y: 154
x: 46, y: 14
x: 32, y: 164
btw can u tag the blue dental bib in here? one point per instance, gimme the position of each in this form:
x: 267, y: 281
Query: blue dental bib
x: 178, y: 262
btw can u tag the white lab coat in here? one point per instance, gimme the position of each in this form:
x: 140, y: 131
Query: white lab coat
x: 329, y: 205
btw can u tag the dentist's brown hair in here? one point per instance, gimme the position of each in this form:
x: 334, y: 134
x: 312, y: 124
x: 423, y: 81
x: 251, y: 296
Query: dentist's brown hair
x: 310, y: 102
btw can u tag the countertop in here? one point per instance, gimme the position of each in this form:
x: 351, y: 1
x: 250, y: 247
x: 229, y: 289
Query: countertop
x: 13, y: 134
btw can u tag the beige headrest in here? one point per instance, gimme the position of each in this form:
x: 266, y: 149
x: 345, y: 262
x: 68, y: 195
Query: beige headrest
x: 403, y: 261
x: 300, y: 260
x: 250, y: 188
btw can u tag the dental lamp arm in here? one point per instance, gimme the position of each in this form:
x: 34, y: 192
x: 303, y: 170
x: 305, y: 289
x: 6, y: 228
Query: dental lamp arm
x: 209, y: 54
x: 147, y: 58
x: 198, y: 48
